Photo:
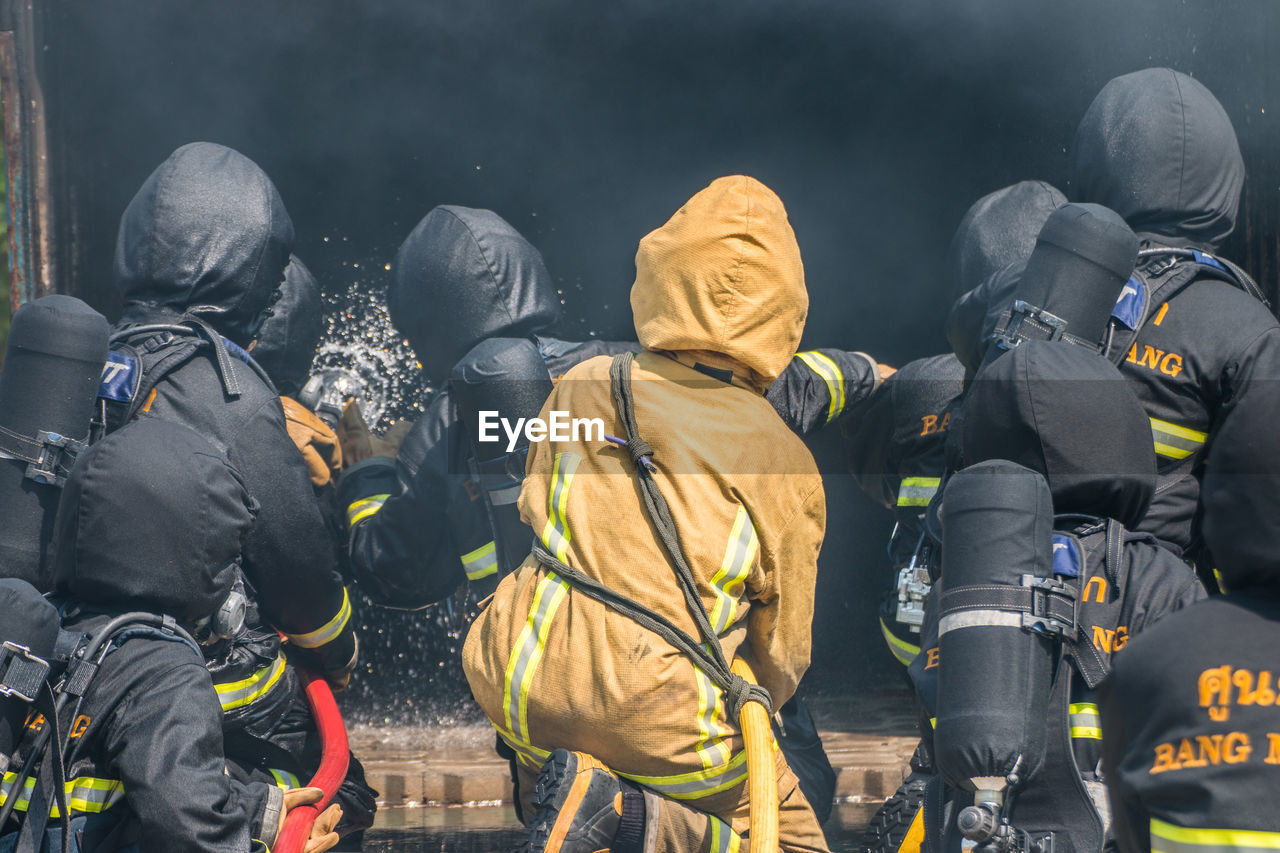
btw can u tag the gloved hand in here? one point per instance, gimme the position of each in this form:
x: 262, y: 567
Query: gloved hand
x: 322, y: 835
x: 317, y: 443
x: 358, y: 444
x: 886, y: 371
x: 340, y: 679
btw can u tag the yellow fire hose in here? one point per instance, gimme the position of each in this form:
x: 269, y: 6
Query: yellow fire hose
x: 762, y: 777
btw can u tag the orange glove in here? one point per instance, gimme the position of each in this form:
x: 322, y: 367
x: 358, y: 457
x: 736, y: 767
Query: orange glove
x: 316, y: 442
x: 359, y: 444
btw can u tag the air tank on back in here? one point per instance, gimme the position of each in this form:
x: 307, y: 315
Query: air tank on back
x: 1084, y: 255
x: 995, y: 668
x: 53, y: 365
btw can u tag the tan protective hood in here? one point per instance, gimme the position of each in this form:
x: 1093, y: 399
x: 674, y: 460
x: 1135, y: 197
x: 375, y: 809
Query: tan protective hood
x: 723, y: 276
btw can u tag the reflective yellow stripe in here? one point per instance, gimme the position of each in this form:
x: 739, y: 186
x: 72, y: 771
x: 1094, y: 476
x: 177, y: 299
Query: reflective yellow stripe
x: 1176, y: 442
x: 362, y: 509
x: 917, y: 491
x: 723, y: 838
x: 901, y: 649
x: 555, y: 534
x: 237, y: 694
x: 830, y: 373
x: 681, y: 786
x: 87, y: 794
x: 731, y: 579
x: 327, y: 632
x: 24, y: 799
x: 284, y: 779
x: 481, y: 562
x: 1084, y: 720
x: 1167, y: 838
x: 697, y: 783
x: 527, y: 654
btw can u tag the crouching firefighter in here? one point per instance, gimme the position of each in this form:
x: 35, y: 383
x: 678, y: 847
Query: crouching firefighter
x: 1042, y: 583
x: 475, y: 300
x: 1193, y: 728
x: 125, y: 750
x: 615, y: 690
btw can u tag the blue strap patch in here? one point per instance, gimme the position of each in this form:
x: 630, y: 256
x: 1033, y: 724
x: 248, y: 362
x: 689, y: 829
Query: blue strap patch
x: 1132, y: 301
x: 120, y: 377
x: 1207, y: 260
x: 238, y: 351
x: 1066, y: 559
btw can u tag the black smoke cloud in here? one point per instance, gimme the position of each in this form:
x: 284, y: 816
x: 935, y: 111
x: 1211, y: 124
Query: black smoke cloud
x: 586, y: 124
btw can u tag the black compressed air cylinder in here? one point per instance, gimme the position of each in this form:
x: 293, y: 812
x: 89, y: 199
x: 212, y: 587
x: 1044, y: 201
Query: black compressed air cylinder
x: 53, y: 364
x: 1083, y: 256
x: 994, y: 676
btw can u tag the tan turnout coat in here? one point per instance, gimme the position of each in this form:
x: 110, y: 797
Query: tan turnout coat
x: 719, y: 286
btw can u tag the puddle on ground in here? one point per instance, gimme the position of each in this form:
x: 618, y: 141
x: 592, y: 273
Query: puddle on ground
x: 491, y: 829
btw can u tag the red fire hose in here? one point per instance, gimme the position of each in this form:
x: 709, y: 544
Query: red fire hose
x: 333, y: 764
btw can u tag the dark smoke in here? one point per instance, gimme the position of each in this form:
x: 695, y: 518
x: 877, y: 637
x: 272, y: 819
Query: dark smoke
x: 586, y: 124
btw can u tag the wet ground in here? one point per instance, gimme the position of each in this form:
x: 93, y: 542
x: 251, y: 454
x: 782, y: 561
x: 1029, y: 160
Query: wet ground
x: 443, y: 788
x: 495, y: 829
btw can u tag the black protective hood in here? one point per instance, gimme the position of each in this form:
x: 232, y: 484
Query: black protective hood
x: 288, y: 339
x: 1241, y: 491
x: 1156, y: 147
x: 206, y: 234
x: 998, y: 229
x: 1068, y: 414
x: 151, y: 518
x: 464, y: 275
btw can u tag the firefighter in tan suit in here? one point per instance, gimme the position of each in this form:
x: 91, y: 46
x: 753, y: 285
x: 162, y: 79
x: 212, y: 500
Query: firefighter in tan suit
x: 583, y: 692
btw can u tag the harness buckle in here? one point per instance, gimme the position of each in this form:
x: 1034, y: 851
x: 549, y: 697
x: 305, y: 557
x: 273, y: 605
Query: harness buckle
x: 1055, y: 608
x: 58, y: 455
x: 24, y: 672
x: 1028, y: 322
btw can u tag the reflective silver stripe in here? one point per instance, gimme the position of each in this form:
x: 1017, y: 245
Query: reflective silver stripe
x: 979, y: 619
x: 237, y: 694
x: 731, y: 578
x: 555, y: 534
x: 362, y: 509
x: 25, y: 798
x: 917, y: 491
x: 90, y: 794
x: 1084, y: 720
x: 1174, y: 441
x: 1168, y: 838
x: 481, y: 562
x: 830, y: 373
x: 327, y: 632
x: 87, y: 794
x: 699, y: 783
x: 527, y: 654
x: 284, y: 779
x: 723, y: 838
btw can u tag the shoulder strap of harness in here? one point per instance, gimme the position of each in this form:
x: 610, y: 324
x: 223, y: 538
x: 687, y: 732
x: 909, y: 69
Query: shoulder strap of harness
x: 1161, y: 273
x: 142, y: 356
x: 708, y: 655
